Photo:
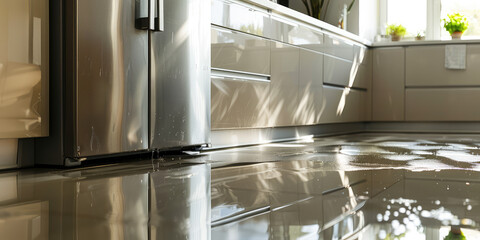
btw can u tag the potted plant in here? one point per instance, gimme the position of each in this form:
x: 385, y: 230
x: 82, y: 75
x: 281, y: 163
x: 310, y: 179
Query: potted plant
x: 420, y: 36
x: 396, y: 31
x: 455, y: 24
x: 314, y: 7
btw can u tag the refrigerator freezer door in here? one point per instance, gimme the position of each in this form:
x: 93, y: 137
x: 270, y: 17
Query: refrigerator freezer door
x: 112, y: 78
x: 180, y: 77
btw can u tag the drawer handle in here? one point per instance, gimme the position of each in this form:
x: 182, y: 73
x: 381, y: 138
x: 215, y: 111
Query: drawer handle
x: 238, y: 75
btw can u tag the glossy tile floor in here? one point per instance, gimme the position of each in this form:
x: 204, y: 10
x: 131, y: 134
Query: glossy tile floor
x: 365, y: 186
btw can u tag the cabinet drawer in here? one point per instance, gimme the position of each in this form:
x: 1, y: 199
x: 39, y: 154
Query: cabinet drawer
x: 239, y: 104
x: 459, y: 104
x: 344, y: 105
x: 295, y: 33
x: 241, y: 17
x: 240, y: 52
x: 338, y: 47
x: 425, y: 66
x: 345, y: 73
x: 338, y: 71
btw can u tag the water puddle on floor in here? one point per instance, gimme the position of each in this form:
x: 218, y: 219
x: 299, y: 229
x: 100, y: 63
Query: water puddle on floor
x: 366, y: 186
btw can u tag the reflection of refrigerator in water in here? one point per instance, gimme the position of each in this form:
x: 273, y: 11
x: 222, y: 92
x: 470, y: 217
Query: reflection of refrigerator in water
x: 136, y: 78
x: 21, y: 217
x: 123, y: 203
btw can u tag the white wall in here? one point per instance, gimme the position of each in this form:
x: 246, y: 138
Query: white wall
x: 369, y: 18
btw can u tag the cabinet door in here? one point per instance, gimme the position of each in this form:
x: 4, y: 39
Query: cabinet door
x: 362, y: 73
x: 310, y: 89
x: 388, y: 84
x: 344, y: 105
x: 339, y: 71
x: 239, y: 103
x: 24, y: 68
x: 284, y: 85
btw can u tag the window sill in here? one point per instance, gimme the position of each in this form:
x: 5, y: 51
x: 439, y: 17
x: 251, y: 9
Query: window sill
x: 425, y: 42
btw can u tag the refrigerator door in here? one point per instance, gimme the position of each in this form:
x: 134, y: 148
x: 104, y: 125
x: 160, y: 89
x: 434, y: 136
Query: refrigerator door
x: 111, y: 78
x: 180, y: 76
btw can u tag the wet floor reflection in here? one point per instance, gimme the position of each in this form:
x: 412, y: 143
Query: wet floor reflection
x: 349, y: 187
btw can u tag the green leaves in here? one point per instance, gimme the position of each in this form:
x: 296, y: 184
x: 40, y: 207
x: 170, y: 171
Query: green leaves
x: 398, y: 30
x: 455, y: 22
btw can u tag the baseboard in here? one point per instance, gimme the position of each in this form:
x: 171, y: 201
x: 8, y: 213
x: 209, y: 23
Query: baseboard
x: 423, y: 127
x: 246, y: 137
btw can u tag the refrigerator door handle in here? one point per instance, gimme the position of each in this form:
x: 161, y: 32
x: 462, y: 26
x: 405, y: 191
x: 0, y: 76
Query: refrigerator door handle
x: 141, y: 15
x: 156, y: 15
x: 161, y: 16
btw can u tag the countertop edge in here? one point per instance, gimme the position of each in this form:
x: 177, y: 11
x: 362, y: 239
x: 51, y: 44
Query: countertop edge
x: 284, y: 11
x: 287, y: 12
x: 424, y: 43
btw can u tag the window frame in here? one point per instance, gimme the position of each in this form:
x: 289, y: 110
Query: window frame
x: 433, y: 31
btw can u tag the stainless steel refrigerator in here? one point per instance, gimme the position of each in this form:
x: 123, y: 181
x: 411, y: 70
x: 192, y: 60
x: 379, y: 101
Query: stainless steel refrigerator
x: 131, y: 76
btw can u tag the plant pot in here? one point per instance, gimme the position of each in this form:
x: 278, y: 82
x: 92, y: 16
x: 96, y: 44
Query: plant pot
x: 420, y: 38
x: 457, y: 35
x: 396, y: 38
x: 283, y: 2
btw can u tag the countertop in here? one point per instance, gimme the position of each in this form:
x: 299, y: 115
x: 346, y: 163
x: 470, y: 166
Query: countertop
x: 281, y: 10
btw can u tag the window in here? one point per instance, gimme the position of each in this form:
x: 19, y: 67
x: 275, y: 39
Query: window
x: 412, y: 14
x: 426, y: 16
x: 469, y: 8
